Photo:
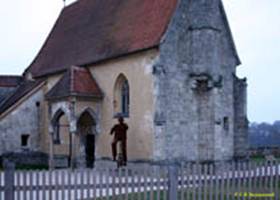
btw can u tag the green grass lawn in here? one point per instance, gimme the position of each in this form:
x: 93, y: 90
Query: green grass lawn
x: 260, y: 159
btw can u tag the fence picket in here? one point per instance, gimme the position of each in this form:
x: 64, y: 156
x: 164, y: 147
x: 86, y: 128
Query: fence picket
x: 263, y: 177
x: 56, y: 184
x: 164, y: 183
x: 145, y: 177
x: 199, y: 182
x: 249, y: 177
x: 211, y: 182
x: 62, y: 183
x: 113, y: 183
x: 25, y: 178
x: 103, y: 182
x: 216, y: 181
x: 1, y: 185
x: 44, y: 185
x: 75, y: 184
x: 17, y: 184
x: 205, y: 181
x: 88, y: 185
x: 133, y: 183
x: 82, y: 184
x: 181, y: 178
x: 271, y: 176
x: 37, y: 187
x: 151, y: 183
x: 119, y: 192
x: 49, y: 185
x: 158, y: 174
x: 32, y: 184
x: 139, y: 185
x: 94, y: 183
x: 238, y: 178
x: 277, y: 185
x: 255, y: 175
x: 126, y: 183
x: 227, y: 177
x: 69, y: 184
x: 223, y: 181
x: 266, y: 177
x: 188, y: 183
x: 193, y: 180
x: 242, y: 179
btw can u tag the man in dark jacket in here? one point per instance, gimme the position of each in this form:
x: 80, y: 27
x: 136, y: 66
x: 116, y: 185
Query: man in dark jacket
x: 119, y: 130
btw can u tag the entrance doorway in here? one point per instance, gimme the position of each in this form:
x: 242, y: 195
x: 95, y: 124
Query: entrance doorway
x: 90, y: 150
x: 87, y: 135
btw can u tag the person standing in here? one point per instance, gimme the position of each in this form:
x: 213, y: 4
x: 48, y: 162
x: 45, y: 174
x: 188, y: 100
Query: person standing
x: 120, y: 135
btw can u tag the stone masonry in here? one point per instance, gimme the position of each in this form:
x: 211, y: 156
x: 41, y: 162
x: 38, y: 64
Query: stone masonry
x: 194, y: 81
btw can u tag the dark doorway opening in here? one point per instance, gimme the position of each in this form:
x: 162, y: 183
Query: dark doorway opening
x: 90, y: 150
x: 87, y: 131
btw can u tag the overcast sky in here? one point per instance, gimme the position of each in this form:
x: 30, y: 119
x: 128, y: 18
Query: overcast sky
x: 255, y: 24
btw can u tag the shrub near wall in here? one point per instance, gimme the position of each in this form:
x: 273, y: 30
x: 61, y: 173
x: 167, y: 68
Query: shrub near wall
x: 27, y: 160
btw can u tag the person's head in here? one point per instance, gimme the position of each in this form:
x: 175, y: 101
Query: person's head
x: 121, y: 120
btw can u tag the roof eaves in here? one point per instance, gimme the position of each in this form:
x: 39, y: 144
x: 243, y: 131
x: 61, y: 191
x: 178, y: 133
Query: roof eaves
x: 97, y: 62
x: 63, y: 97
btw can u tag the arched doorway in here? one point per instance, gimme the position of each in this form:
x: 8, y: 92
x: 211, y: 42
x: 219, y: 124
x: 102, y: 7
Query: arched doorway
x: 87, y: 133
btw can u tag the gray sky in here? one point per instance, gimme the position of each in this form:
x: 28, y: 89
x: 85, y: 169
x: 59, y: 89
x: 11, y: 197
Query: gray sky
x: 255, y: 24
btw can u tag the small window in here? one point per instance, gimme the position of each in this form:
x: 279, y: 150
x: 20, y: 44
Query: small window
x: 125, y: 98
x: 25, y: 140
x: 56, y: 139
x: 226, y: 123
x: 38, y: 104
x: 121, y: 101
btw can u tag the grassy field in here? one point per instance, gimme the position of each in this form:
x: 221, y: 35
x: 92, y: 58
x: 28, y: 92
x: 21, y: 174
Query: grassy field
x: 260, y: 159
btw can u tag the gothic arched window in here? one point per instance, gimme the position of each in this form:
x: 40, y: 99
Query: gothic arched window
x: 121, y: 96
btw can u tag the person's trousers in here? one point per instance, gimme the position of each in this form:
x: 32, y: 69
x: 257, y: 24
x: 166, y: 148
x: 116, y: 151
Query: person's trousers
x: 123, y: 149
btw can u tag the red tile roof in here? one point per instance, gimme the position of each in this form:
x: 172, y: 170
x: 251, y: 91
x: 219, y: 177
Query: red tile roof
x: 77, y: 81
x: 90, y: 31
x: 10, y: 81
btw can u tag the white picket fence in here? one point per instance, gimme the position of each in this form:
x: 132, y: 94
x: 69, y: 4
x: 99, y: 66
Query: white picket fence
x: 236, y: 180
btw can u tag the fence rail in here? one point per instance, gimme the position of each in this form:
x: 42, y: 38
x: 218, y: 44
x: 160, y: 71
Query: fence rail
x: 235, y: 180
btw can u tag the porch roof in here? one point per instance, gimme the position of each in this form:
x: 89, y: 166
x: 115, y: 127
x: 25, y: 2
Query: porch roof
x: 77, y: 81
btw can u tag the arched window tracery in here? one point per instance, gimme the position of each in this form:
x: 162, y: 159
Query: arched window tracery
x: 121, y: 101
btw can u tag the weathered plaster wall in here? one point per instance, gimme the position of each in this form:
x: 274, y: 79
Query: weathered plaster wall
x: 22, y: 120
x: 138, y: 70
x: 194, y: 100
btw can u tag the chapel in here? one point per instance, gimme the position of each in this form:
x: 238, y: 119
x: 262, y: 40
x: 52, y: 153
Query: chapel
x: 167, y: 66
